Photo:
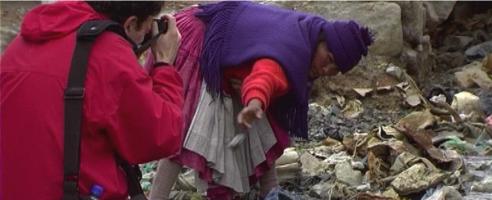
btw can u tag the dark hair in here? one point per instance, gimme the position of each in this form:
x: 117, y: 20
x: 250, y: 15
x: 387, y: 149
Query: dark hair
x: 119, y: 11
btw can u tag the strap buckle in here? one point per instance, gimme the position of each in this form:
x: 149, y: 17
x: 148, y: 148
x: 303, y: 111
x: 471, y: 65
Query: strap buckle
x: 74, y: 93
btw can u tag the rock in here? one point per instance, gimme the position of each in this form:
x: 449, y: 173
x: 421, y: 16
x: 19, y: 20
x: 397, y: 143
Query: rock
x: 357, y: 165
x: 419, y: 61
x: 468, y: 105
x: 413, y: 100
x: 312, y: 165
x: 329, y: 190
x: 486, y: 101
x: 473, y: 74
x: 413, y: 20
x: 481, y: 35
x: 384, y: 18
x: 484, y: 186
x: 337, y: 158
x: 441, y: 98
x: 410, y: 57
x: 365, y: 187
x: 288, y: 166
x: 479, y: 51
x: 456, y: 43
x: 287, y: 172
x: 437, y: 12
x: 347, y: 175
x: 448, y: 60
x: 443, y: 193
x: 416, y: 179
x: 290, y: 155
x: 395, y: 71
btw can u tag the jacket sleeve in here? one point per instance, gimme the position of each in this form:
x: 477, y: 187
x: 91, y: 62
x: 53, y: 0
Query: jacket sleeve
x: 265, y: 82
x: 143, y: 118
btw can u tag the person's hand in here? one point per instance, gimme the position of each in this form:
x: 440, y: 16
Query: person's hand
x: 167, y: 45
x: 250, y: 113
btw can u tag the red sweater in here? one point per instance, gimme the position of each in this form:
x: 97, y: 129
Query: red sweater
x: 264, y: 80
x: 125, y: 111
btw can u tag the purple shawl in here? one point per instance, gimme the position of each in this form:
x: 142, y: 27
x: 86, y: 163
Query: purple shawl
x: 240, y: 32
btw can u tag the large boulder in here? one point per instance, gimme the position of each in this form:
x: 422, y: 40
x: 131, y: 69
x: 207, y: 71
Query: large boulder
x: 413, y: 20
x: 438, y: 12
x: 383, y: 18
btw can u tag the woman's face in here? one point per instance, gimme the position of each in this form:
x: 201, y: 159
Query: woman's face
x: 323, y: 63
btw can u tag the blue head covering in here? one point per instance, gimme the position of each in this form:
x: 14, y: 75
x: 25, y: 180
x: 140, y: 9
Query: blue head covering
x: 347, y: 42
x: 240, y: 32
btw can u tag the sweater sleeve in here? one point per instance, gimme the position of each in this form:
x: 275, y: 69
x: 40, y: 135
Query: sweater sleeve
x: 265, y: 82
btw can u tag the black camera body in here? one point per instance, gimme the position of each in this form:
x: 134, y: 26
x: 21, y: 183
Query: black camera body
x: 150, y: 38
x: 161, y: 25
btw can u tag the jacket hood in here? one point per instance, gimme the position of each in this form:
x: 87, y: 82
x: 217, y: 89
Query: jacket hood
x: 51, y: 21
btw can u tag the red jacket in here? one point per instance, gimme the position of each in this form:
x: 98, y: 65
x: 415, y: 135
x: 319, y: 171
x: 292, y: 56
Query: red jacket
x: 125, y: 111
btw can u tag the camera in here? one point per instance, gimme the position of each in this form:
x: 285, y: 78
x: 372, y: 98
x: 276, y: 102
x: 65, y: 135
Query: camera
x: 161, y: 29
x: 150, y: 38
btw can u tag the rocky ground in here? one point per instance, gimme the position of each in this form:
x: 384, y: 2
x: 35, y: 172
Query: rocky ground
x: 408, y: 123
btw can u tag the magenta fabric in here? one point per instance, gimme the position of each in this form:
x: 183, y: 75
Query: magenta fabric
x: 187, y: 61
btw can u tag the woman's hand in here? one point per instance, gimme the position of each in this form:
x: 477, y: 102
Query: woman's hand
x: 250, y: 113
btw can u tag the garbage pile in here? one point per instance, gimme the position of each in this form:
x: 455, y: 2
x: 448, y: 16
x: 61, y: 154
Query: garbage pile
x: 441, y: 150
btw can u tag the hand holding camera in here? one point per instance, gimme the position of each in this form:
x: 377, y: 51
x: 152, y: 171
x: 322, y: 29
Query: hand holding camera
x: 164, y: 40
x: 167, y: 44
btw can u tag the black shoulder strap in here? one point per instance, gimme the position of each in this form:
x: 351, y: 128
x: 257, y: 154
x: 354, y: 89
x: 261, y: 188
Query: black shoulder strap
x: 74, y: 95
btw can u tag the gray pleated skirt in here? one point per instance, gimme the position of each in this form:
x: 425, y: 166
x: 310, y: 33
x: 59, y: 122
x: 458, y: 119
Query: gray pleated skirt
x: 213, y: 127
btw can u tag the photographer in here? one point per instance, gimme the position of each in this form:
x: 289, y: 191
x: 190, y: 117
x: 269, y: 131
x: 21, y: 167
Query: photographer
x: 126, y: 113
